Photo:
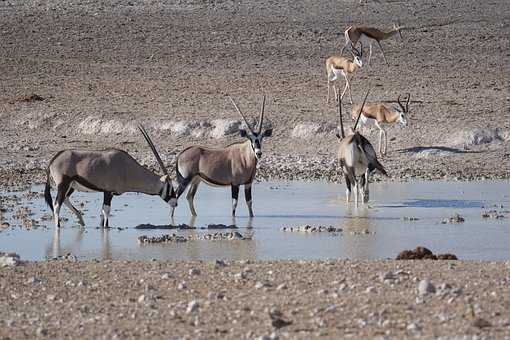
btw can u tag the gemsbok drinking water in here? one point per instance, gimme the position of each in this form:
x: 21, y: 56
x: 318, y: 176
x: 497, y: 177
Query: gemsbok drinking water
x: 112, y: 172
x: 233, y: 165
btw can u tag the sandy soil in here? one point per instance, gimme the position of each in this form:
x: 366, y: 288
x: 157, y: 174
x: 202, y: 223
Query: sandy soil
x: 348, y: 299
x: 102, y: 66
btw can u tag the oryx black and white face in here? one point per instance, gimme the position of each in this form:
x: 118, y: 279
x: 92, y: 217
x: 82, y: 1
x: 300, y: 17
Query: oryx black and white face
x: 256, y: 139
x: 254, y: 135
x: 167, y: 193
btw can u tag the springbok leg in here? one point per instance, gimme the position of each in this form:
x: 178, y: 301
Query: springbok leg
x: 380, y: 46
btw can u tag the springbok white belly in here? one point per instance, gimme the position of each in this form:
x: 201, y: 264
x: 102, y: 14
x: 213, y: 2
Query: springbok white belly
x: 335, y: 73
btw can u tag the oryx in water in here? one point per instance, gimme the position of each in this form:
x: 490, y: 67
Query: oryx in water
x: 112, y: 172
x: 233, y: 165
x: 357, y: 158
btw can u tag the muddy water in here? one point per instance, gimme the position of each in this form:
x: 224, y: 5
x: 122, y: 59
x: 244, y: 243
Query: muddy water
x: 377, y: 230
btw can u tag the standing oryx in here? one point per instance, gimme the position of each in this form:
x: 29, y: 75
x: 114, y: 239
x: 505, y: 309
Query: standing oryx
x: 357, y: 159
x: 338, y: 65
x: 378, y: 114
x: 112, y: 172
x: 233, y: 165
x: 353, y: 34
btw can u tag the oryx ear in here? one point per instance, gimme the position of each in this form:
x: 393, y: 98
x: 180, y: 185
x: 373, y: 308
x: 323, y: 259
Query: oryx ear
x: 243, y: 133
x: 268, y: 133
x: 164, y: 178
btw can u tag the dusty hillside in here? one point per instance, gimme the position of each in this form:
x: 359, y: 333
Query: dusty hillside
x: 102, y: 66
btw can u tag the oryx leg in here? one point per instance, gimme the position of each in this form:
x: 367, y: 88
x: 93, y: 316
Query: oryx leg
x: 365, y: 195
x: 248, y: 198
x: 62, y: 190
x: 105, y: 210
x: 182, y: 185
x: 190, y: 196
x: 71, y: 207
x: 380, y: 46
x: 235, y: 196
x: 348, y: 188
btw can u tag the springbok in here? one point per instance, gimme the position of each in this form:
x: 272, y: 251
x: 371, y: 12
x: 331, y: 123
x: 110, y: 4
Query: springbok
x: 353, y: 34
x: 378, y: 114
x: 357, y: 159
x: 233, y: 165
x: 112, y: 172
x: 338, y: 65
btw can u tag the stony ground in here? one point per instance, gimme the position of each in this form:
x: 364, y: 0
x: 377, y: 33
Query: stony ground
x: 330, y: 299
x: 102, y: 66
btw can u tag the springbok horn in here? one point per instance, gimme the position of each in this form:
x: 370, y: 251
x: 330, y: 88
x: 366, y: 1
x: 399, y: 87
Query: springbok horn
x: 361, y: 110
x: 400, y: 104
x: 241, y: 114
x: 153, y: 148
x: 408, y: 100
x: 261, y: 120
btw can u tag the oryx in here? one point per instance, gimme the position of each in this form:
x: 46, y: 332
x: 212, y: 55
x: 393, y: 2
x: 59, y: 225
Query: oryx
x: 233, y: 165
x: 112, y: 172
x: 357, y: 158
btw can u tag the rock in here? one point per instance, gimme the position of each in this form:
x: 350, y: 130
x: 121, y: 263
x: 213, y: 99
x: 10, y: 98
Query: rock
x: 370, y: 289
x: 422, y: 253
x: 330, y: 309
x: 387, y: 276
x: 260, y: 285
x: 41, y: 332
x: 9, y: 260
x: 310, y: 129
x: 481, y: 323
x: 93, y: 125
x: 220, y: 264
x: 473, y: 137
x: 281, y: 286
x: 456, y: 218
x: 193, y: 307
x: 413, y: 327
x: 224, y: 127
x: 141, y: 299
x: 426, y: 287
x: 277, y: 319
x: 194, y: 271
x: 182, y: 285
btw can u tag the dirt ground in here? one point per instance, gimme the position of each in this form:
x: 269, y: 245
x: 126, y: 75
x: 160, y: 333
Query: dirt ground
x: 243, y: 300
x: 102, y: 66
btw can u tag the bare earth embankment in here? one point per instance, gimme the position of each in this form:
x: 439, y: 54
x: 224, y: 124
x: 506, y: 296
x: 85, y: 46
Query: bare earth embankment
x: 101, y: 67
x: 336, y: 299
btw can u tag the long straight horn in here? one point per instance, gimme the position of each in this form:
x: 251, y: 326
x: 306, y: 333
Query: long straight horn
x: 361, y: 110
x: 261, y: 120
x: 339, y: 98
x: 153, y: 148
x: 241, y: 114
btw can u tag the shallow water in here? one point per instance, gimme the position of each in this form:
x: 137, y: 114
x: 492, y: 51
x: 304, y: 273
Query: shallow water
x: 372, y: 231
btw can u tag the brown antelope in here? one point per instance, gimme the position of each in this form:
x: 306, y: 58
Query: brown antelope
x: 233, y: 165
x: 112, y: 172
x: 379, y: 115
x: 353, y: 34
x: 338, y: 65
x: 357, y: 159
